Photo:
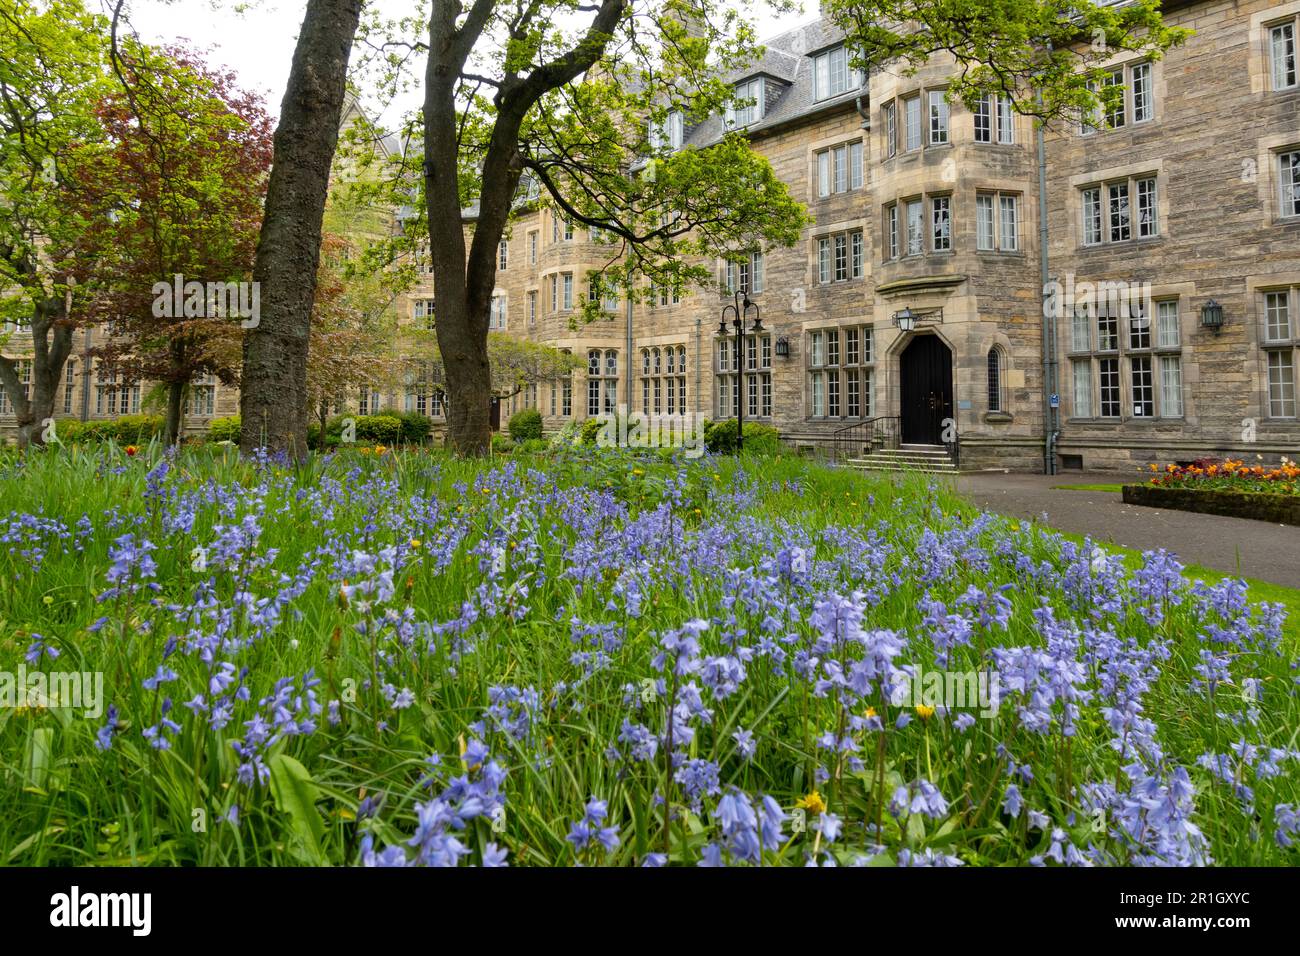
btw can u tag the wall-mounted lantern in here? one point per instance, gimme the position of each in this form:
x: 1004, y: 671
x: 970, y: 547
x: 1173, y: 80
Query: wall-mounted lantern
x: 1212, y: 316
x: 907, y: 320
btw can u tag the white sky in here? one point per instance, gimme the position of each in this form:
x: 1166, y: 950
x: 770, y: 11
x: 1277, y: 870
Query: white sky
x: 258, y: 44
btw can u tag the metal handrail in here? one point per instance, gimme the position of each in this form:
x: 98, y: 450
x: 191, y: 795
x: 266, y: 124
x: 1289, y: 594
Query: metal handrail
x: 882, y: 431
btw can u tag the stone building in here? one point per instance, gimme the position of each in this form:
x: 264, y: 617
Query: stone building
x: 1123, y: 290
x: 1161, y: 325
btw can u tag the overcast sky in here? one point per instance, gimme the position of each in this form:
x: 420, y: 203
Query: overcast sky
x: 258, y: 44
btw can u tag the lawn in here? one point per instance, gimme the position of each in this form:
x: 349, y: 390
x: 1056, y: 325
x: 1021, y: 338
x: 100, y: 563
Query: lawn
x: 599, y: 658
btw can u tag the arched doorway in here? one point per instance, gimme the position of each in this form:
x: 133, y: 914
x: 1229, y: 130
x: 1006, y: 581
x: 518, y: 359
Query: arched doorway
x: 925, y: 381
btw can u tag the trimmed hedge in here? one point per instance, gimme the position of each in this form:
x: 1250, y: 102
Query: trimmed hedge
x: 1279, y: 509
x: 224, y: 429
x: 127, y: 430
x: 526, y: 425
x: 720, y: 438
x: 386, y: 428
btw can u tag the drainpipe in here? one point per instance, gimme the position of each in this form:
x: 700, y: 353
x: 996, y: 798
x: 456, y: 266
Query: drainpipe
x: 627, y: 363
x: 86, y: 374
x: 863, y: 110
x: 699, y: 366
x: 1051, y: 421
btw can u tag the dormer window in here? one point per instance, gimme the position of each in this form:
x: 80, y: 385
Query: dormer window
x: 749, y: 106
x: 670, y: 134
x: 831, y: 74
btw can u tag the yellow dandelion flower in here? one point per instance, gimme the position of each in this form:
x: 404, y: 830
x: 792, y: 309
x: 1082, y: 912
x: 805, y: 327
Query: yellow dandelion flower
x: 415, y: 542
x: 813, y: 803
x: 924, y: 712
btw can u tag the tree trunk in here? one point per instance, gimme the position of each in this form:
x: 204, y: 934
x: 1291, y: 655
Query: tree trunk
x: 172, y: 426
x: 469, y: 380
x: 464, y: 278
x: 51, y: 344
x: 273, y: 400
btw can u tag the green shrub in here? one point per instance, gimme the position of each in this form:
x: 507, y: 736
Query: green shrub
x: 589, y: 430
x: 533, y: 446
x: 415, y: 427
x: 760, y: 439
x: 127, y: 430
x: 385, y: 429
x: 224, y: 429
x: 526, y: 425
x: 569, y: 434
x: 501, y: 444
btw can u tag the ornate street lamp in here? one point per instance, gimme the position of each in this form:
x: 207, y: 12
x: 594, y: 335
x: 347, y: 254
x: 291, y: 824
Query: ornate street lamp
x: 739, y: 312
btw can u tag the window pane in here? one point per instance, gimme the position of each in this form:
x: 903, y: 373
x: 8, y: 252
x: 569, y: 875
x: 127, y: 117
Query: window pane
x: 1143, y: 395
x: 1167, y: 322
x: 1281, y: 385
x: 1091, y: 217
x: 1119, y: 212
x: 1115, y: 116
x: 1010, y: 234
x: 938, y: 118
x: 1080, y: 330
x: 942, y: 224
x: 1289, y: 178
x: 1277, y: 317
x: 1147, y: 208
x: 1108, y: 380
x: 1006, y: 121
x: 1171, y: 386
x: 995, y: 380
x: 914, y: 228
x: 984, y: 222
x: 984, y: 119
x: 1082, y: 374
x: 1142, y: 93
x: 913, y: 118
x: 1282, y: 47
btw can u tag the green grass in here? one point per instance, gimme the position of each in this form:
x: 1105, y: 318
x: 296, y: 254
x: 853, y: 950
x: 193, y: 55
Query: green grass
x: 576, y: 565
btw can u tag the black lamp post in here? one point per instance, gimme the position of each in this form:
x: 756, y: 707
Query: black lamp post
x: 739, y: 312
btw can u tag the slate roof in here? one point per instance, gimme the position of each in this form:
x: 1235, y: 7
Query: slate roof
x: 787, y: 58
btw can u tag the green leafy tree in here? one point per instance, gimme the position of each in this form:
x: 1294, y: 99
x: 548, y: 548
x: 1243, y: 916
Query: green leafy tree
x: 562, y: 97
x: 178, y: 186
x: 51, y: 76
x: 1044, y: 55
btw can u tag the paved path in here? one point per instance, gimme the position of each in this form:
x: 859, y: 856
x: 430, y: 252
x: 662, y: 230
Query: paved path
x: 1255, y: 549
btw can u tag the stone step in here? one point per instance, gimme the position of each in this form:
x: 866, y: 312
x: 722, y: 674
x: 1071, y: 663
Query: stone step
x: 895, y: 465
x: 910, y: 455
